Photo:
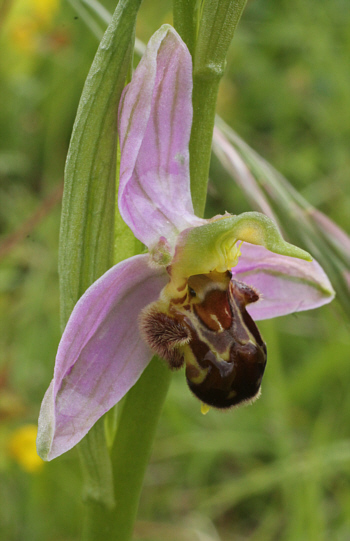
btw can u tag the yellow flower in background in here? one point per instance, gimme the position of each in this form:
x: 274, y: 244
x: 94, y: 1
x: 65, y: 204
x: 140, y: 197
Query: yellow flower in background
x: 22, y: 448
x: 44, y: 10
x: 28, y: 21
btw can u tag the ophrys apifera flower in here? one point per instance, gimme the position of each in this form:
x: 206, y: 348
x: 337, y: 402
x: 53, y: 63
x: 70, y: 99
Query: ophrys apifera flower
x: 194, y: 296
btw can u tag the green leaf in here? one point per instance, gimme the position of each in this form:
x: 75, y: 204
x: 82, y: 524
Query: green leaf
x: 186, y: 21
x: 87, y: 227
x: 87, y: 224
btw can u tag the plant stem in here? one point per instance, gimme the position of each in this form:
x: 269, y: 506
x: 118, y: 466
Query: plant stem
x: 205, y: 91
x: 133, y: 442
x: 219, y: 20
x: 98, y: 522
x: 185, y: 14
x: 98, y: 495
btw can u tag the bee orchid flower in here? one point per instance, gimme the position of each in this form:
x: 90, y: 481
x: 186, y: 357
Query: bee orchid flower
x: 194, y: 296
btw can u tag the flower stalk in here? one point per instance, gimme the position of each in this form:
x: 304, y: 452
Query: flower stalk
x: 133, y: 443
x: 98, y: 488
x: 218, y: 23
x: 186, y: 17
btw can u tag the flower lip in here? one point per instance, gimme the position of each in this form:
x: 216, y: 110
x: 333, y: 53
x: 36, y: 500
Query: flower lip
x: 209, y: 330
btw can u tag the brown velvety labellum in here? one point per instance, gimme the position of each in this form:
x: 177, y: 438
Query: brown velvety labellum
x: 209, y: 329
x: 229, y: 351
x: 214, y: 312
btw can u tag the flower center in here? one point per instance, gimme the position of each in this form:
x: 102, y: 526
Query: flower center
x: 228, y: 255
x: 207, y: 328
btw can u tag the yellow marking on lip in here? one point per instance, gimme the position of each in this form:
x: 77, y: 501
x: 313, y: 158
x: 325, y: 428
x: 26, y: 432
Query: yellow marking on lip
x: 180, y: 300
x: 204, y: 408
x: 196, y: 373
x: 215, y: 318
x: 182, y: 287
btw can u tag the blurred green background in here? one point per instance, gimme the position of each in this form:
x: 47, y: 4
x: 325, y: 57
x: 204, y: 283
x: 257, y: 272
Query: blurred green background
x: 279, y: 470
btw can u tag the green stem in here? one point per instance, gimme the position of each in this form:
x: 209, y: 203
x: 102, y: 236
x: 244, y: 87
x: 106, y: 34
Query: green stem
x: 185, y: 14
x: 219, y: 20
x: 98, y: 522
x: 205, y: 91
x: 98, y: 495
x: 133, y: 443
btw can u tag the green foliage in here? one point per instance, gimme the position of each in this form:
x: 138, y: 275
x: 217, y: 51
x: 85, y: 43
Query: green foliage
x: 279, y: 470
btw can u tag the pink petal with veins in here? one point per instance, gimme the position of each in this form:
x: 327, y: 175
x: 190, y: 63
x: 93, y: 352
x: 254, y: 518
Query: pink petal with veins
x: 101, y: 354
x: 286, y: 284
x: 155, y: 120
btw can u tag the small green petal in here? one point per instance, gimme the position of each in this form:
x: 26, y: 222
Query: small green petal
x: 213, y: 246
